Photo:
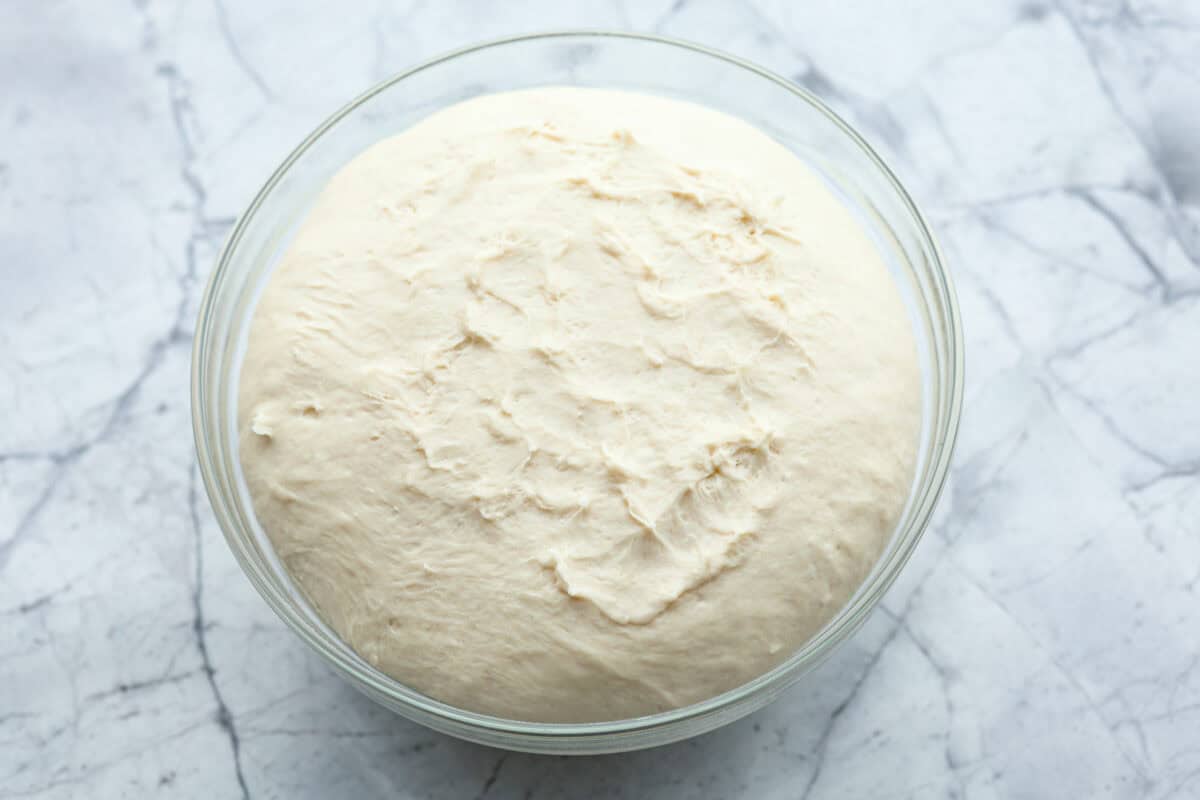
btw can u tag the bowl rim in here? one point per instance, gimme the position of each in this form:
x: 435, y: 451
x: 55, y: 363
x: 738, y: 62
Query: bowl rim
x: 840, y: 627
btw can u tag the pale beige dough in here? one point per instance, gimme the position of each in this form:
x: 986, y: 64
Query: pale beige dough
x: 571, y: 405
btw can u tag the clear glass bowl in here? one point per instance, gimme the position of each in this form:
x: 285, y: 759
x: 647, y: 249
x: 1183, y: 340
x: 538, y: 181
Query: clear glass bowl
x: 613, y: 60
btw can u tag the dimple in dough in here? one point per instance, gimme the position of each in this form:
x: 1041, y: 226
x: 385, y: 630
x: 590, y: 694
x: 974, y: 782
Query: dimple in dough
x: 575, y: 405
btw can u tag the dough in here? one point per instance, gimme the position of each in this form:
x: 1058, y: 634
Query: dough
x: 575, y: 405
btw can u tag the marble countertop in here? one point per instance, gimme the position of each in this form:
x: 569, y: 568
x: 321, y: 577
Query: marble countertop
x: 1044, y: 641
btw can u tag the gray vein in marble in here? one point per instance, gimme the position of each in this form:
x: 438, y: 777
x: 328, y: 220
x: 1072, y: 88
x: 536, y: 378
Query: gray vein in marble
x: 492, y: 777
x: 1170, y: 473
x: 200, y: 628
x: 1119, y: 226
x: 64, y: 460
x: 898, y: 621
x: 1092, y: 705
x: 876, y: 116
x: 945, y: 679
x: 1009, y: 325
x: 1052, y: 261
x: 1107, y: 89
x: 235, y: 50
x: 137, y: 686
x: 1115, y: 429
x: 1162, y: 163
x: 179, y: 334
x: 822, y: 742
x: 676, y: 7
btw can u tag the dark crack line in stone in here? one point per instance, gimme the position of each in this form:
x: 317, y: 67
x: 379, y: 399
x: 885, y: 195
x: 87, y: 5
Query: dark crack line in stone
x: 38, y: 602
x: 248, y: 732
x: 1180, y: 681
x: 380, y: 47
x: 1168, y: 206
x: 15, y: 715
x: 29, y: 455
x: 1067, y: 674
x: 873, y: 114
x: 822, y: 744
x: 939, y: 124
x: 199, y: 629
x: 138, y: 686
x: 661, y: 23
x: 87, y: 771
x: 1073, y: 351
x: 1135, y: 511
x: 900, y: 619
x: 235, y: 50
x: 25, y: 523
x: 945, y: 679
x: 1186, y: 470
x: 176, y: 335
x: 1006, y: 320
x: 66, y: 459
x: 1170, y: 212
x: 1054, y: 261
x: 1106, y: 89
x: 379, y: 57
x: 492, y: 777
x: 623, y: 14
x: 1109, y: 423
x: 1012, y: 198
x: 1119, y: 227
x: 1183, y: 783
x: 965, y: 502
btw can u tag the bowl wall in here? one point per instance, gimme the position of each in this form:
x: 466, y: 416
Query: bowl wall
x: 607, y: 60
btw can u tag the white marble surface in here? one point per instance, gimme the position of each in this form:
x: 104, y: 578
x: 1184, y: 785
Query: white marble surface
x: 1044, y: 642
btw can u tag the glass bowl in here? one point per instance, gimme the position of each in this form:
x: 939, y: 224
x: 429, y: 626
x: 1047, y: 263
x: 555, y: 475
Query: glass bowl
x: 647, y: 64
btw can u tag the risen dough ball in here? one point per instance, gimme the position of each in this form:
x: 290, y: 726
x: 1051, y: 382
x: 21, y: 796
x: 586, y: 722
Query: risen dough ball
x: 571, y: 405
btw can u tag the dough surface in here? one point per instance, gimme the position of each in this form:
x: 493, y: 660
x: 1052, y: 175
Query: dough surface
x: 572, y: 405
